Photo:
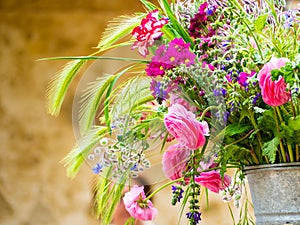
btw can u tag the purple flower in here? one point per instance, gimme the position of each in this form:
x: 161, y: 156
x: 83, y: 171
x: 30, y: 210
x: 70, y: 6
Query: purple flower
x: 256, y: 98
x: 159, y: 91
x: 177, y: 192
x: 97, y: 169
x: 194, y: 216
x: 219, y: 92
x: 210, y: 10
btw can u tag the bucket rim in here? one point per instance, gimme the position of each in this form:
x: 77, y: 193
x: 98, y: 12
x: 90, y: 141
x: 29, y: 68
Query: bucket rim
x: 275, y: 166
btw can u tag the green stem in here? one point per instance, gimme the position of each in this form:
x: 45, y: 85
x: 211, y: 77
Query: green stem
x: 279, y: 114
x: 278, y: 130
x: 238, y: 5
x: 297, y: 153
x: 237, y: 141
x: 252, y: 152
x: 293, y: 108
x: 206, y: 110
x: 291, y: 153
x: 259, y: 138
x: 161, y: 188
x: 282, y: 151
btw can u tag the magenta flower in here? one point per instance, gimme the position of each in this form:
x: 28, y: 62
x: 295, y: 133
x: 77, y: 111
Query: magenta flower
x: 147, y: 32
x: 155, y: 68
x: 274, y: 93
x: 135, y: 204
x: 213, y: 181
x: 179, y: 52
x: 165, y: 58
x: 174, y: 161
x: 182, y: 124
x: 243, y: 78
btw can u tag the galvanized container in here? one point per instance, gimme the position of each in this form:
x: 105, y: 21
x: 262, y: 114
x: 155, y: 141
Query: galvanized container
x: 275, y: 192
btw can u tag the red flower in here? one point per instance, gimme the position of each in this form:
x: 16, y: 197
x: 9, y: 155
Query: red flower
x: 147, y: 32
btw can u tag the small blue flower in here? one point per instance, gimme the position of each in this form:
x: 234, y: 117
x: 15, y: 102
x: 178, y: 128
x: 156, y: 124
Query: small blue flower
x: 134, y: 167
x: 223, y: 67
x: 97, y: 169
x: 223, y: 92
x: 210, y: 10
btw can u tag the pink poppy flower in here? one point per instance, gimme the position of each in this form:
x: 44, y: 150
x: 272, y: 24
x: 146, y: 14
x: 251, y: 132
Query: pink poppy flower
x: 147, y: 32
x: 182, y: 124
x: 135, y: 205
x: 274, y: 93
x: 174, y: 161
x: 213, y: 181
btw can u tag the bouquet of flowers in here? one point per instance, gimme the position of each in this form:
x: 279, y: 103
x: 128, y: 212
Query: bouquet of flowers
x: 216, y: 87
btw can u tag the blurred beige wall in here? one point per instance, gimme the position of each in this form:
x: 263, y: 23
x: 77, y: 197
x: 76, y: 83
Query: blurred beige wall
x: 34, y: 189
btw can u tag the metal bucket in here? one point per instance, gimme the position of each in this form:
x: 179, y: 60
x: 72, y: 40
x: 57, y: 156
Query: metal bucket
x: 275, y: 192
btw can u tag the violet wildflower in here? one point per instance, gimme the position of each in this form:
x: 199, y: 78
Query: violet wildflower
x: 256, y: 98
x: 289, y: 19
x: 219, y: 92
x: 158, y: 91
x: 194, y: 217
x: 210, y: 10
x: 97, y: 169
x: 177, y: 192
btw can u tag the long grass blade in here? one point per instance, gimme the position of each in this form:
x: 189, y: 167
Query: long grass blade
x: 107, y: 196
x: 133, y: 93
x: 97, y: 91
x: 149, y: 5
x: 78, y: 154
x: 117, y: 29
x: 91, y: 57
x: 174, y: 22
x: 58, y: 87
x: 91, y: 100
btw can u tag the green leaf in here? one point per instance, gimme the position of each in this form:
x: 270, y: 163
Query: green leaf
x: 260, y: 22
x: 267, y: 122
x: 59, y: 85
x: 287, y: 133
x: 294, y: 123
x: 118, y: 28
x: 234, y: 129
x: 270, y: 149
x: 78, y: 154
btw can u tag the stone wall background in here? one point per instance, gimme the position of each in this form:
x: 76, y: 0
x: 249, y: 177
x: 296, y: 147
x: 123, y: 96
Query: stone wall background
x: 34, y: 189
